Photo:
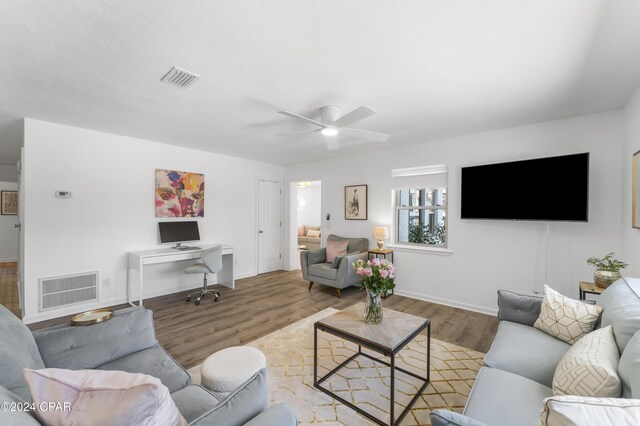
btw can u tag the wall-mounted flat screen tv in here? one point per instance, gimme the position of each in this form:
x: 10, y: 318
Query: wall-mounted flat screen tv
x: 547, y: 189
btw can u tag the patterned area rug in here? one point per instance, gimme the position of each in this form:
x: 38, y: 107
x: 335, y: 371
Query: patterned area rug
x: 289, y: 354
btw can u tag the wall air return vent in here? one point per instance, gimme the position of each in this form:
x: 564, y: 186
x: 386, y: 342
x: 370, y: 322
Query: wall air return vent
x: 65, y: 290
x: 179, y: 77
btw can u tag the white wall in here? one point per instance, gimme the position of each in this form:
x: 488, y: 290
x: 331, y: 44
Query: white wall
x: 8, y: 172
x: 112, y: 208
x: 487, y: 255
x: 630, y: 236
x: 8, y: 233
x: 310, y: 215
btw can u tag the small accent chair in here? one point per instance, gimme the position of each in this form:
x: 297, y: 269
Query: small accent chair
x: 340, y: 273
x: 211, y: 263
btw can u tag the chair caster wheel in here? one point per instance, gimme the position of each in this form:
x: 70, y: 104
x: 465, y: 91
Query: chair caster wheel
x: 216, y: 299
x: 188, y: 299
x: 198, y: 301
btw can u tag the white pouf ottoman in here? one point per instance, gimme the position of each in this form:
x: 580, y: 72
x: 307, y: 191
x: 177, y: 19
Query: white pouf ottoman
x: 225, y: 370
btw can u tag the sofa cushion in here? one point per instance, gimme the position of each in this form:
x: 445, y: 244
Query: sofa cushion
x: 629, y: 368
x: 336, y: 248
x: 565, y: 318
x: 621, y: 303
x: 590, y: 367
x: 313, y: 233
x: 571, y: 410
x: 101, y: 398
x: 155, y: 362
x: 526, y: 351
x: 193, y: 401
x: 18, y: 350
x: 323, y: 270
x: 15, y: 417
x: 77, y: 348
x: 502, y: 398
x: 355, y: 245
x: 523, y: 308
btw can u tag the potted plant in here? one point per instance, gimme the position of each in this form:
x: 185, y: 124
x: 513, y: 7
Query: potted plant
x: 377, y: 278
x: 607, y: 270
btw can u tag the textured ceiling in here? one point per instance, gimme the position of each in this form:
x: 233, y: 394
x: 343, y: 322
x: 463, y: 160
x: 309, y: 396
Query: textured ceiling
x: 431, y: 69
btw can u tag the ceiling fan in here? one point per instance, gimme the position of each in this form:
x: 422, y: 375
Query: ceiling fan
x: 333, y: 124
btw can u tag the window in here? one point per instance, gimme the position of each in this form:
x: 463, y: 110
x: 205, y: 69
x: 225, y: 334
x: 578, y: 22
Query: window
x: 420, y: 206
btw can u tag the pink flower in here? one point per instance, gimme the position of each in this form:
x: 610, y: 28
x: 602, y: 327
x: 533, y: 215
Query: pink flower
x: 383, y: 273
x: 367, y: 271
x: 375, y: 261
x: 360, y: 270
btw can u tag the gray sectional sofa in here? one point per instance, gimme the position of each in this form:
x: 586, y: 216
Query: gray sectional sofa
x: 126, y: 342
x: 521, y: 362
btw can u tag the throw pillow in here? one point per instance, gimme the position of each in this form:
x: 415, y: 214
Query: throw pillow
x: 99, y: 397
x: 336, y: 248
x: 571, y: 410
x: 313, y: 233
x: 589, y: 368
x: 564, y: 318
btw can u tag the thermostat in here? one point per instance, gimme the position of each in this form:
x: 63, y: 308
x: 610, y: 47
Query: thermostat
x: 63, y: 194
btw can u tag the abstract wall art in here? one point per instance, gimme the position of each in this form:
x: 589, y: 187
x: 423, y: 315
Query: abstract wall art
x: 179, y: 194
x: 9, y: 202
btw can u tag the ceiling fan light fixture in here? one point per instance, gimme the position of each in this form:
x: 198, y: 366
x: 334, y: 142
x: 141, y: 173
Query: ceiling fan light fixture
x: 329, y: 131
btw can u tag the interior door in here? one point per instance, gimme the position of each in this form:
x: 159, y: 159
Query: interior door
x: 269, y: 226
x: 20, y: 225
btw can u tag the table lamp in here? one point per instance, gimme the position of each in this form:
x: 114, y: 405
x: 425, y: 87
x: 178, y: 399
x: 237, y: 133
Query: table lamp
x: 380, y: 233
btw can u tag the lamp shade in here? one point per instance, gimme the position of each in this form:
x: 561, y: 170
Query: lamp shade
x: 380, y: 233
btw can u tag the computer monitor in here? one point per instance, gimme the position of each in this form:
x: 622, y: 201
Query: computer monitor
x: 178, y: 233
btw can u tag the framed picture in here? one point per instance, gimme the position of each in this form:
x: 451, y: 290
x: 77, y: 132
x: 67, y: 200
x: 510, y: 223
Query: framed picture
x: 635, y: 196
x: 9, y: 202
x: 355, y: 202
x: 179, y: 194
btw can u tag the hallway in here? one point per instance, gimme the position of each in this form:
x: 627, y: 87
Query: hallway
x: 9, y: 288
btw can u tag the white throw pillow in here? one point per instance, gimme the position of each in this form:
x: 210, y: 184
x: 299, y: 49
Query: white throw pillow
x: 101, y: 398
x: 565, y: 318
x: 313, y: 233
x: 570, y: 410
x: 590, y: 366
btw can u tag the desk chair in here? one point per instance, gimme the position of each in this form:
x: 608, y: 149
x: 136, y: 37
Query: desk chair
x: 211, y: 264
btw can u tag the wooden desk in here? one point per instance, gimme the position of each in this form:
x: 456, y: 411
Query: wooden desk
x: 139, y: 259
x: 589, y: 288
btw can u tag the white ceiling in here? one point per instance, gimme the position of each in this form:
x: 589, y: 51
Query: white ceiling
x: 431, y: 69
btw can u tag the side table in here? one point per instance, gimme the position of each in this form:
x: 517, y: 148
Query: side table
x: 589, y: 288
x: 381, y: 253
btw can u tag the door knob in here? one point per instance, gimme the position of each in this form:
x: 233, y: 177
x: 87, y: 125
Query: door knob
x: 260, y: 231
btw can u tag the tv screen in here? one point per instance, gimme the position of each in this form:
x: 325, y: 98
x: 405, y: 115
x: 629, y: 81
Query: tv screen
x: 176, y: 232
x: 548, y: 189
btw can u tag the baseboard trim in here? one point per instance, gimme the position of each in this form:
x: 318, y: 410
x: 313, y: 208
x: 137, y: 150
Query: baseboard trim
x: 447, y: 302
x: 9, y: 260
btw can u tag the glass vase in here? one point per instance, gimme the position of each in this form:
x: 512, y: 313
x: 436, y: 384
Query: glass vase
x: 373, y: 308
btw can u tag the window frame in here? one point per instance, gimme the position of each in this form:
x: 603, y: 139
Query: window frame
x: 397, y: 207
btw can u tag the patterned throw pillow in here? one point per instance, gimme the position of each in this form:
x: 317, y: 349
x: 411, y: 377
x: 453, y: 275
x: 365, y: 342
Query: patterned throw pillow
x: 564, y: 318
x: 589, y: 368
x: 313, y: 233
x: 584, y: 411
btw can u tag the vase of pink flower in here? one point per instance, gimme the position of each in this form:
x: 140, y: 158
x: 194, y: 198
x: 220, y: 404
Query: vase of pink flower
x: 377, y: 277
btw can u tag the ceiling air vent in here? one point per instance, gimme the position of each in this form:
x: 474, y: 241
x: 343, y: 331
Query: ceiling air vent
x: 179, y: 77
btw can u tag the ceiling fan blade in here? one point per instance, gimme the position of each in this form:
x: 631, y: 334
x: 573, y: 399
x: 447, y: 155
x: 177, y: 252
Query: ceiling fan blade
x: 332, y: 142
x: 357, y: 114
x: 298, y: 133
x: 302, y: 117
x: 365, y: 134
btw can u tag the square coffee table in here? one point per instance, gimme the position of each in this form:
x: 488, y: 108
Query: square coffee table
x: 395, y: 332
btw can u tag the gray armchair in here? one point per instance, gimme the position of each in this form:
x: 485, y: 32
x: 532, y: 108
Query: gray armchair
x: 340, y: 273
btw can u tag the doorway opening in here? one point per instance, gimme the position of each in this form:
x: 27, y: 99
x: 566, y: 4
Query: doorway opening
x: 306, y: 202
x: 9, y: 248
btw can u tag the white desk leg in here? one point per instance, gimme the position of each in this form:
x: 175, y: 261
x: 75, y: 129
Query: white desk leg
x: 225, y: 276
x: 140, y: 284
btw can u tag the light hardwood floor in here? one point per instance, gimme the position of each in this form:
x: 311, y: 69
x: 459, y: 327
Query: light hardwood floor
x: 266, y: 303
